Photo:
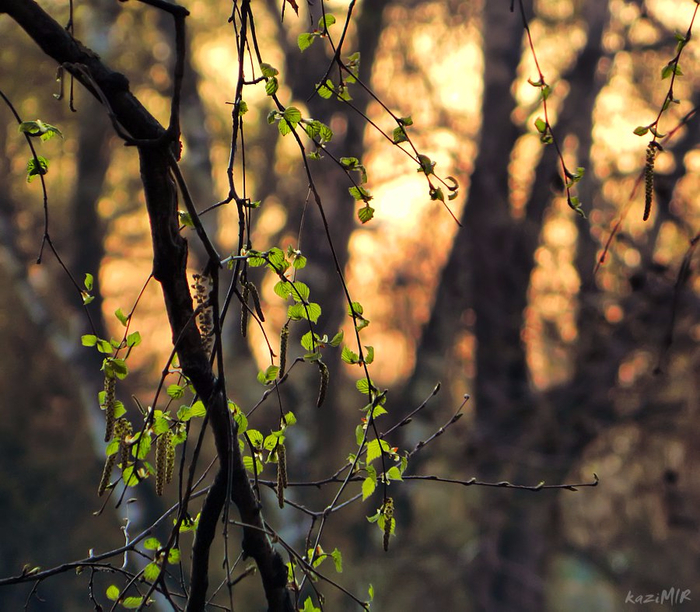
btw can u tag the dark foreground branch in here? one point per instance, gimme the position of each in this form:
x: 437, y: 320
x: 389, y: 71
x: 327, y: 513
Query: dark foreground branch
x: 170, y: 269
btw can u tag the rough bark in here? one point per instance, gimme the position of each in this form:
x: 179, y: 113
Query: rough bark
x: 169, y: 269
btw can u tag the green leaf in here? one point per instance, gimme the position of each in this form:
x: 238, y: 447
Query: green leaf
x: 198, y: 409
x: 325, y: 133
x: 151, y: 572
x: 29, y: 127
x: 292, y: 114
x: 184, y: 413
x: 271, y: 86
x: 305, y: 40
x: 427, y: 165
x: 355, y: 307
x: 176, y: 391
x: 364, y: 386
x: 310, y: 312
x: 368, y: 487
x: 437, y: 194
x: 283, y: 289
x: 119, y: 409
x: 314, y: 312
x: 393, y: 473
x: 541, y: 125
x: 284, y: 127
x: 160, y: 424
x: 88, y: 340
x: 299, y: 262
x: 349, y: 162
x: 575, y: 204
x: 399, y: 135
x: 360, y: 193
x: 120, y: 368
x: 641, y: 130
x: 174, y: 556
x: 337, y: 560
x: 113, y: 592
x: 349, y: 356
x: 278, y: 262
x: 189, y: 524
x: 241, y: 420
x: 123, y: 319
x: 103, y: 346
x: 242, y: 108
x: 132, y: 603
x: 141, y: 447
x: 269, y: 375
x: 369, y: 355
x: 296, y: 312
x: 325, y: 90
x: 375, y: 448
x: 252, y: 467
x: 325, y: 22
x: 301, y: 292
x: 365, y: 214
x: 131, y: 478
x: 34, y: 170
x: 152, y: 544
x: 272, y: 440
x: 133, y: 339
x: 310, y: 341
x: 268, y: 70
x: 88, y: 281
x: 185, y: 218
x: 309, y: 606
x: 337, y: 339
x: 45, y: 131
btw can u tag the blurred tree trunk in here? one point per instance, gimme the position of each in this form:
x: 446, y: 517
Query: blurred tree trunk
x: 494, y: 253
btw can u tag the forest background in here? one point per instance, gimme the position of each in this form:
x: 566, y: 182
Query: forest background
x: 574, y: 366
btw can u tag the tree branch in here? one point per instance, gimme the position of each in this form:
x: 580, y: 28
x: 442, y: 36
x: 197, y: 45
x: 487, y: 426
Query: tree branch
x: 170, y: 269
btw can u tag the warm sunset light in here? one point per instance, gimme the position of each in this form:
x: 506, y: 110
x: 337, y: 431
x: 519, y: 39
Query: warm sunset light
x: 349, y: 305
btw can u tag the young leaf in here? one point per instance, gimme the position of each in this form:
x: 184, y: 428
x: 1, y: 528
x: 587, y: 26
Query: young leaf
x: 151, y: 572
x: 34, y: 170
x: 268, y: 70
x: 284, y: 127
x: 292, y: 114
x: 305, y: 40
x: 113, y: 592
x: 368, y: 487
x: 88, y: 340
x: 365, y: 214
x: 325, y: 90
x: 151, y: 544
x: 123, y: 319
x: 132, y: 603
x: 399, y: 135
x: 271, y: 86
x: 349, y: 356
x: 325, y: 22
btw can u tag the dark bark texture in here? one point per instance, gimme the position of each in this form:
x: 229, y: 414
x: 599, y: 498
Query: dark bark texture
x: 169, y: 269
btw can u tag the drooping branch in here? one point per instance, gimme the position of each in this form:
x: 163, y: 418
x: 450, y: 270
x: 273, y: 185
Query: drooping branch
x: 170, y: 269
